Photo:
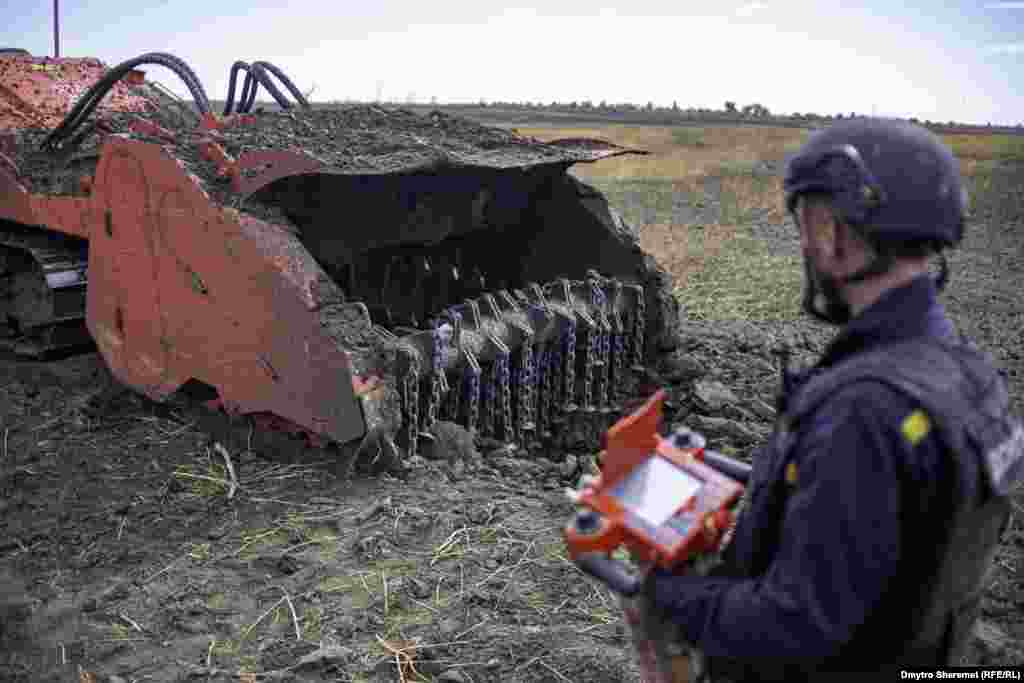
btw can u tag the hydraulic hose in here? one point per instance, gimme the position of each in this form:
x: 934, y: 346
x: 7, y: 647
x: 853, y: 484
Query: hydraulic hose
x: 248, y: 96
x: 263, y: 78
x: 257, y: 74
x: 88, y: 102
x: 281, y: 76
x: 229, y: 101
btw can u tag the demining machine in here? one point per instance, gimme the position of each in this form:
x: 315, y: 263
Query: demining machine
x: 348, y: 275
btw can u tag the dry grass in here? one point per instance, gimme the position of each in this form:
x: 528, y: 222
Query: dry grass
x: 986, y: 147
x: 684, y: 251
x: 744, y: 193
x: 721, y: 270
x: 689, y: 152
x: 679, y: 153
x: 979, y: 155
x: 680, y: 160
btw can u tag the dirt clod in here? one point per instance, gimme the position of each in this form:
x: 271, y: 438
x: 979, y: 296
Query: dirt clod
x: 452, y: 676
x: 451, y: 443
x: 713, y: 396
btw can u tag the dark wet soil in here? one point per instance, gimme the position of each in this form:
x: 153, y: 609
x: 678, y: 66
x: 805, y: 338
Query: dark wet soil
x: 129, y: 551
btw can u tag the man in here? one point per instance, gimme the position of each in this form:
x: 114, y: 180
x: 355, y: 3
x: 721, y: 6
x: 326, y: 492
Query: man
x: 874, y: 510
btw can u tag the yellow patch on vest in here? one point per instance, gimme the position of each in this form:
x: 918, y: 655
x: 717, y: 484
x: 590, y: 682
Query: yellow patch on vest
x: 791, y: 474
x: 916, y: 426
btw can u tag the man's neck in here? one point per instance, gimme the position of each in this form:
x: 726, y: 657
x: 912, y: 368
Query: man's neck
x: 862, y: 295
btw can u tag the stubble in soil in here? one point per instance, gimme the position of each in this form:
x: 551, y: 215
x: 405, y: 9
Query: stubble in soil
x: 126, y: 556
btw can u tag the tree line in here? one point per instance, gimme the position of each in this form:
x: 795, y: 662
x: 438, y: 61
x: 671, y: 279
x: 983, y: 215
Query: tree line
x: 730, y: 110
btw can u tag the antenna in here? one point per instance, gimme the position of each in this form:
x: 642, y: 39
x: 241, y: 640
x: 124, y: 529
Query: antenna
x: 56, y: 29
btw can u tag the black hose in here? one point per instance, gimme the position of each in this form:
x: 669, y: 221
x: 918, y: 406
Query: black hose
x: 248, y: 96
x: 173, y: 63
x: 296, y: 93
x: 229, y: 101
x: 14, y: 51
x: 88, y: 102
x: 255, y: 75
x: 263, y: 77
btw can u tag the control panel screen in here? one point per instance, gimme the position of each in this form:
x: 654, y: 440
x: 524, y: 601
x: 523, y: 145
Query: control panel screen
x: 656, y: 489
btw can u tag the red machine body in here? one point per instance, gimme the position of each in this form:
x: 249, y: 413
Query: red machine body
x: 322, y: 268
x: 178, y: 286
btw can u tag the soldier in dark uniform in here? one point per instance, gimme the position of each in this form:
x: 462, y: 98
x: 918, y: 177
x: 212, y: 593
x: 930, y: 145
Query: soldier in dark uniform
x: 875, y: 509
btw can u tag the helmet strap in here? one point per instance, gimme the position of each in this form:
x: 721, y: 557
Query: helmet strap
x: 878, y: 265
x: 884, y: 260
x: 943, y: 277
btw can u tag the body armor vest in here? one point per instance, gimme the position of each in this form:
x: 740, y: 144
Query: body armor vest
x: 967, y: 403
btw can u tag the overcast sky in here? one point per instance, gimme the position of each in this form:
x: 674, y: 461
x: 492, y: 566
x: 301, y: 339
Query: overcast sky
x: 932, y: 60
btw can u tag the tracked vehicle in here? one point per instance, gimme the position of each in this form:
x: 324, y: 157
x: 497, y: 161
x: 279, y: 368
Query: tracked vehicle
x: 348, y: 274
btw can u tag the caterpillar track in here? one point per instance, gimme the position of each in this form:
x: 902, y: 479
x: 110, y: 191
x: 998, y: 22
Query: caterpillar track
x: 352, y: 274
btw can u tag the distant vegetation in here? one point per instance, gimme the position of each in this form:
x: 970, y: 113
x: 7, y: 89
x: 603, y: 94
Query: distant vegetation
x: 650, y: 114
x: 731, y: 112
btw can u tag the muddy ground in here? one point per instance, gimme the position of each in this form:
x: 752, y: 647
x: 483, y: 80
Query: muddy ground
x: 130, y: 557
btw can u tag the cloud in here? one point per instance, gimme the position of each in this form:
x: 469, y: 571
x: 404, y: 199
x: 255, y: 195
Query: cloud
x: 1006, y: 49
x: 1005, y: 5
x: 751, y: 7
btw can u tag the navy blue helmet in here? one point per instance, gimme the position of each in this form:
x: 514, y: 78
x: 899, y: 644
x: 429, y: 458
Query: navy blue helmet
x: 893, y: 181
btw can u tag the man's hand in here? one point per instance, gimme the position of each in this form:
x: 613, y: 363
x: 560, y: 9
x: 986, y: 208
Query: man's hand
x: 587, y: 483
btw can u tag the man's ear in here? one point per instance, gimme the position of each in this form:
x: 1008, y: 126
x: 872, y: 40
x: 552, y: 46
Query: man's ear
x: 827, y: 232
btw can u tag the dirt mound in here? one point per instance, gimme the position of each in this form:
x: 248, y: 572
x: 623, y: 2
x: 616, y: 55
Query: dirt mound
x: 350, y: 140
